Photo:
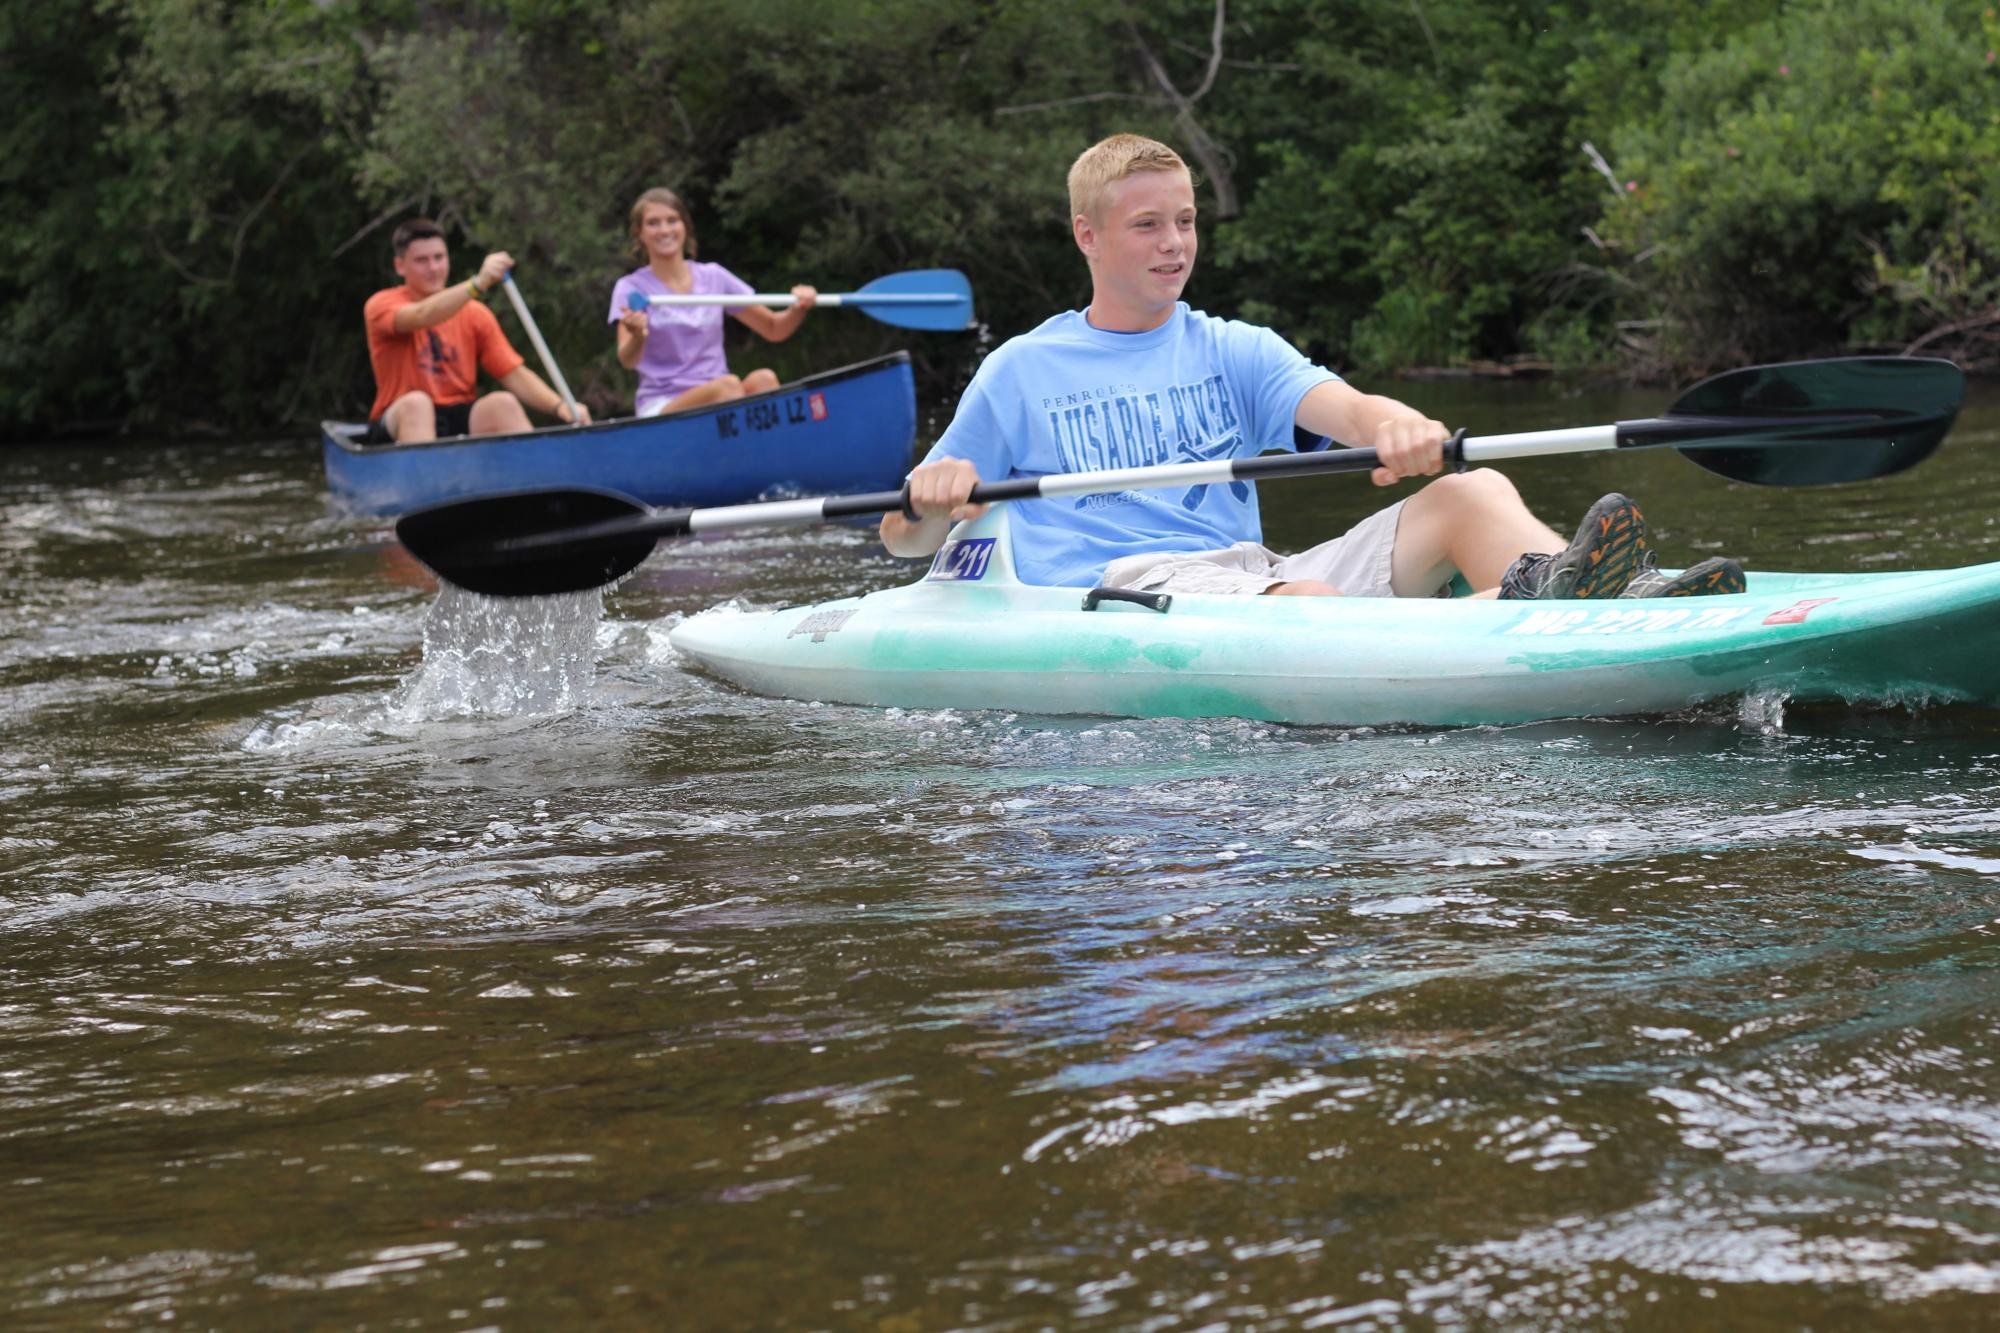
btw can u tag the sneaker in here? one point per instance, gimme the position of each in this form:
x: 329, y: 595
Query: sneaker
x: 1717, y: 574
x: 1599, y: 563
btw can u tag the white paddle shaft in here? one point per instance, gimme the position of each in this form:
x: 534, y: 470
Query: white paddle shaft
x: 824, y: 298
x: 769, y: 514
x: 541, y: 348
x: 1537, y: 443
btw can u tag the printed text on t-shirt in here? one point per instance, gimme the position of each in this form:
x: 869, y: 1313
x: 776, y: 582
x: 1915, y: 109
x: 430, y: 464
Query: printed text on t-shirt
x: 1109, y: 429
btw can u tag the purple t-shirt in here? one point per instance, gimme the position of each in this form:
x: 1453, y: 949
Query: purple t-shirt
x: 684, y: 342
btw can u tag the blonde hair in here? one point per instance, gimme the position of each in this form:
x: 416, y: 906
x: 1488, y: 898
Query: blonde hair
x: 1111, y: 160
x: 659, y: 194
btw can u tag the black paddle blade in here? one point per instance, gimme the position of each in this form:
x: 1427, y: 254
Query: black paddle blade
x: 489, y: 545
x: 1817, y: 423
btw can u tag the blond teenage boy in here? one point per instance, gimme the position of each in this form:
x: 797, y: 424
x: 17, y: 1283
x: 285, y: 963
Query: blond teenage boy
x: 1138, y: 378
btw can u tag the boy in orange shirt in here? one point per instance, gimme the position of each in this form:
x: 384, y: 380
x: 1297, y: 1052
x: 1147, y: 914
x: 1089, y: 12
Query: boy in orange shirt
x: 428, y: 343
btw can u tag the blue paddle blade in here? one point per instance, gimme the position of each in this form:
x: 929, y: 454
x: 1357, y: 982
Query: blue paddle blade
x: 635, y: 301
x: 939, y: 299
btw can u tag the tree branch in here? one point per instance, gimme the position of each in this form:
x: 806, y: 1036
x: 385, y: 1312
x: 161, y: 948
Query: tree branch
x: 1437, y: 56
x: 237, y: 241
x: 1257, y: 66
x: 1211, y: 156
x: 1603, y: 167
x: 1214, y: 53
x: 1073, y: 101
x: 1955, y: 326
x: 375, y: 222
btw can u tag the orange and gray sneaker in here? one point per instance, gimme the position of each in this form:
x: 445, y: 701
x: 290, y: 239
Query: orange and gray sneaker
x: 1607, y: 551
x: 1715, y: 575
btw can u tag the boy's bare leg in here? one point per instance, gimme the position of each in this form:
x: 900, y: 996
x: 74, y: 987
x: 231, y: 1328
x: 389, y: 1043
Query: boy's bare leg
x: 1474, y: 523
x: 498, y: 413
x: 411, y: 419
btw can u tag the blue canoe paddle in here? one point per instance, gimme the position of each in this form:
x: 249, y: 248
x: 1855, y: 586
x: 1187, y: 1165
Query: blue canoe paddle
x: 939, y: 299
x: 1801, y: 423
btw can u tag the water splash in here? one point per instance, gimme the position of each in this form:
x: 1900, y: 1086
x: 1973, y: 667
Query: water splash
x: 1763, y: 712
x: 495, y: 656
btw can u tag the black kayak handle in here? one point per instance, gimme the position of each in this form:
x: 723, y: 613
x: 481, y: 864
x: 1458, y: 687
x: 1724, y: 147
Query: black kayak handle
x: 1152, y: 601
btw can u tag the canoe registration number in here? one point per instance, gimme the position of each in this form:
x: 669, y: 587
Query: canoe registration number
x: 769, y: 414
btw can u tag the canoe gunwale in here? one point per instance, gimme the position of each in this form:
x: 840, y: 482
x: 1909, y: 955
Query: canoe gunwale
x: 346, y: 434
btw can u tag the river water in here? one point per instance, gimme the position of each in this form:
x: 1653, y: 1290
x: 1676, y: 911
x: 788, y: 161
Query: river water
x: 372, y: 959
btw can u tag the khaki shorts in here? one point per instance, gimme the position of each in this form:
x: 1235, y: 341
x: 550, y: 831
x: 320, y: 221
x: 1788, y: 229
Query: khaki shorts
x: 1358, y: 562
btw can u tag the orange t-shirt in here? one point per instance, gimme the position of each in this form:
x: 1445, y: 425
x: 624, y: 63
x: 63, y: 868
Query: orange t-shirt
x: 443, y: 360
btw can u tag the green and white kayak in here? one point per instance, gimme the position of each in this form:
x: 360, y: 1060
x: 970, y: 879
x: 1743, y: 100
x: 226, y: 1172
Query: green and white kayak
x: 970, y: 635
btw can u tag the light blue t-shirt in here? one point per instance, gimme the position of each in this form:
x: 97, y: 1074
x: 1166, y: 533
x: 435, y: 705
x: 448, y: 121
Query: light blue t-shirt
x: 1066, y: 397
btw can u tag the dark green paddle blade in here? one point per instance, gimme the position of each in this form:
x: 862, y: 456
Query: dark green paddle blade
x: 488, y: 545
x: 1817, y: 423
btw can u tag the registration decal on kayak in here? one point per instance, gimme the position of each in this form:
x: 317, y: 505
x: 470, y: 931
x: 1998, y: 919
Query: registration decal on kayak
x: 1629, y: 620
x: 961, y: 561
x: 820, y: 624
x: 1796, y: 613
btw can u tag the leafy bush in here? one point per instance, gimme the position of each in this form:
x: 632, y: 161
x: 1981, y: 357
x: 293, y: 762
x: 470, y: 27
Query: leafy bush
x: 1823, y: 180
x: 199, y: 193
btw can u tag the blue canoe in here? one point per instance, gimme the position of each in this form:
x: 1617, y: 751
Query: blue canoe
x: 840, y: 432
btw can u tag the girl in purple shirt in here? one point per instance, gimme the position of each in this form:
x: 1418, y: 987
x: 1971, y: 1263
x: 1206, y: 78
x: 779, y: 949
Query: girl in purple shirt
x: 677, y: 350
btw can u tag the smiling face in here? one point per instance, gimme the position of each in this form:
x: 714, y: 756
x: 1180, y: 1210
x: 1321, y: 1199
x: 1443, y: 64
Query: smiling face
x: 425, y: 264
x: 661, y: 231
x: 1140, y: 241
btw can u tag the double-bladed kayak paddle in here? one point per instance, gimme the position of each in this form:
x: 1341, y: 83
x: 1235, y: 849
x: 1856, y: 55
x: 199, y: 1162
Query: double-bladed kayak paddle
x: 1802, y: 423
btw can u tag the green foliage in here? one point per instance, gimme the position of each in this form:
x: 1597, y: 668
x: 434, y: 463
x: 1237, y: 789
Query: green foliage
x: 1823, y: 179
x: 232, y: 193
x: 1416, y: 216
x: 181, y: 187
x: 199, y: 193
x: 1464, y: 252
x: 61, y: 307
